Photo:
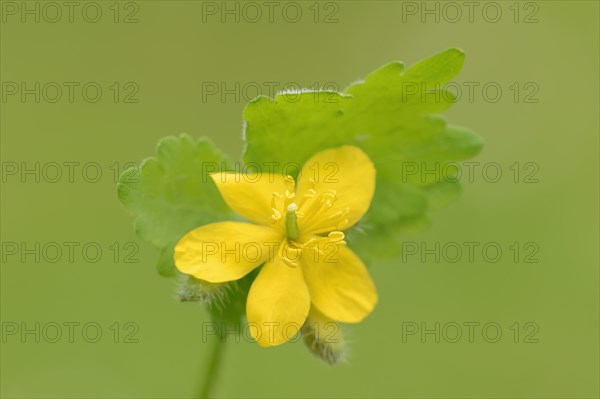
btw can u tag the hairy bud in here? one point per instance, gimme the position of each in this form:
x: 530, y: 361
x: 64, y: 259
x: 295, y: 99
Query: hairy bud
x: 190, y: 289
x: 324, y: 338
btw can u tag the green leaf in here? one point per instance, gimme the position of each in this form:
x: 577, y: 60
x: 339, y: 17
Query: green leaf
x: 439, y: 69
x: 293, y: 126
x: 385, y: 241
x: 172, y: 193
x: 393, y: 115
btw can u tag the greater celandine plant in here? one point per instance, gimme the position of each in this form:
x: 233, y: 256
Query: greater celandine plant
x: 328, y: 183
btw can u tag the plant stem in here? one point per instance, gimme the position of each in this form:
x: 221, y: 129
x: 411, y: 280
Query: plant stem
x: 212, y: 367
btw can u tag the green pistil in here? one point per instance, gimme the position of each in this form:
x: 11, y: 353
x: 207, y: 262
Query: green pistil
x: 291, y: 222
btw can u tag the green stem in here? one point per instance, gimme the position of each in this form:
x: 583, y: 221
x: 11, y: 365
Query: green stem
x: 212, y: 369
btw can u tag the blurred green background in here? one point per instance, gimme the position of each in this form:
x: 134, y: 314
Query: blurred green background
x: 166, y: 58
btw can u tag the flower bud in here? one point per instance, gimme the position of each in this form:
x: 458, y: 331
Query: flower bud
x: 191, y: 289
x: 324, y: 338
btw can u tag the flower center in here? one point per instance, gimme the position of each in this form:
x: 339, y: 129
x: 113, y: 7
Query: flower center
x: 317, y: 248
x: 312, y: 208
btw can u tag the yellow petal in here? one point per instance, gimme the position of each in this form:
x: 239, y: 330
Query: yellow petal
x: 250, y: 195
x: 225, y: 251
x: 278, y: 303
x: 349, y: 173
x: 340, y: 285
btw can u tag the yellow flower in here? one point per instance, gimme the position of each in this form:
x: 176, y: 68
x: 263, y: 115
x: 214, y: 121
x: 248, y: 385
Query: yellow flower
x: 297, y: 236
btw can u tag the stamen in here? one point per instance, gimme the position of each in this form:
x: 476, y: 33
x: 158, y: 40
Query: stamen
x: 290, y: 254
x: 342, y: 224
x: 335, y: 236
x: 319, y: 244
x: 317, y: 206
x: 276, y: 215
x: 306, y: 197
x: 338, y: 214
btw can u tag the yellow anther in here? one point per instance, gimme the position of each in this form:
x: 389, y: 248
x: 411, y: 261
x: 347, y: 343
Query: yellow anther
x: 336, y: 236
x: 290, y: 254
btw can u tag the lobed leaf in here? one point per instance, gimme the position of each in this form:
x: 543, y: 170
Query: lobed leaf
x: 172, y: 193
x: 394, y: 116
